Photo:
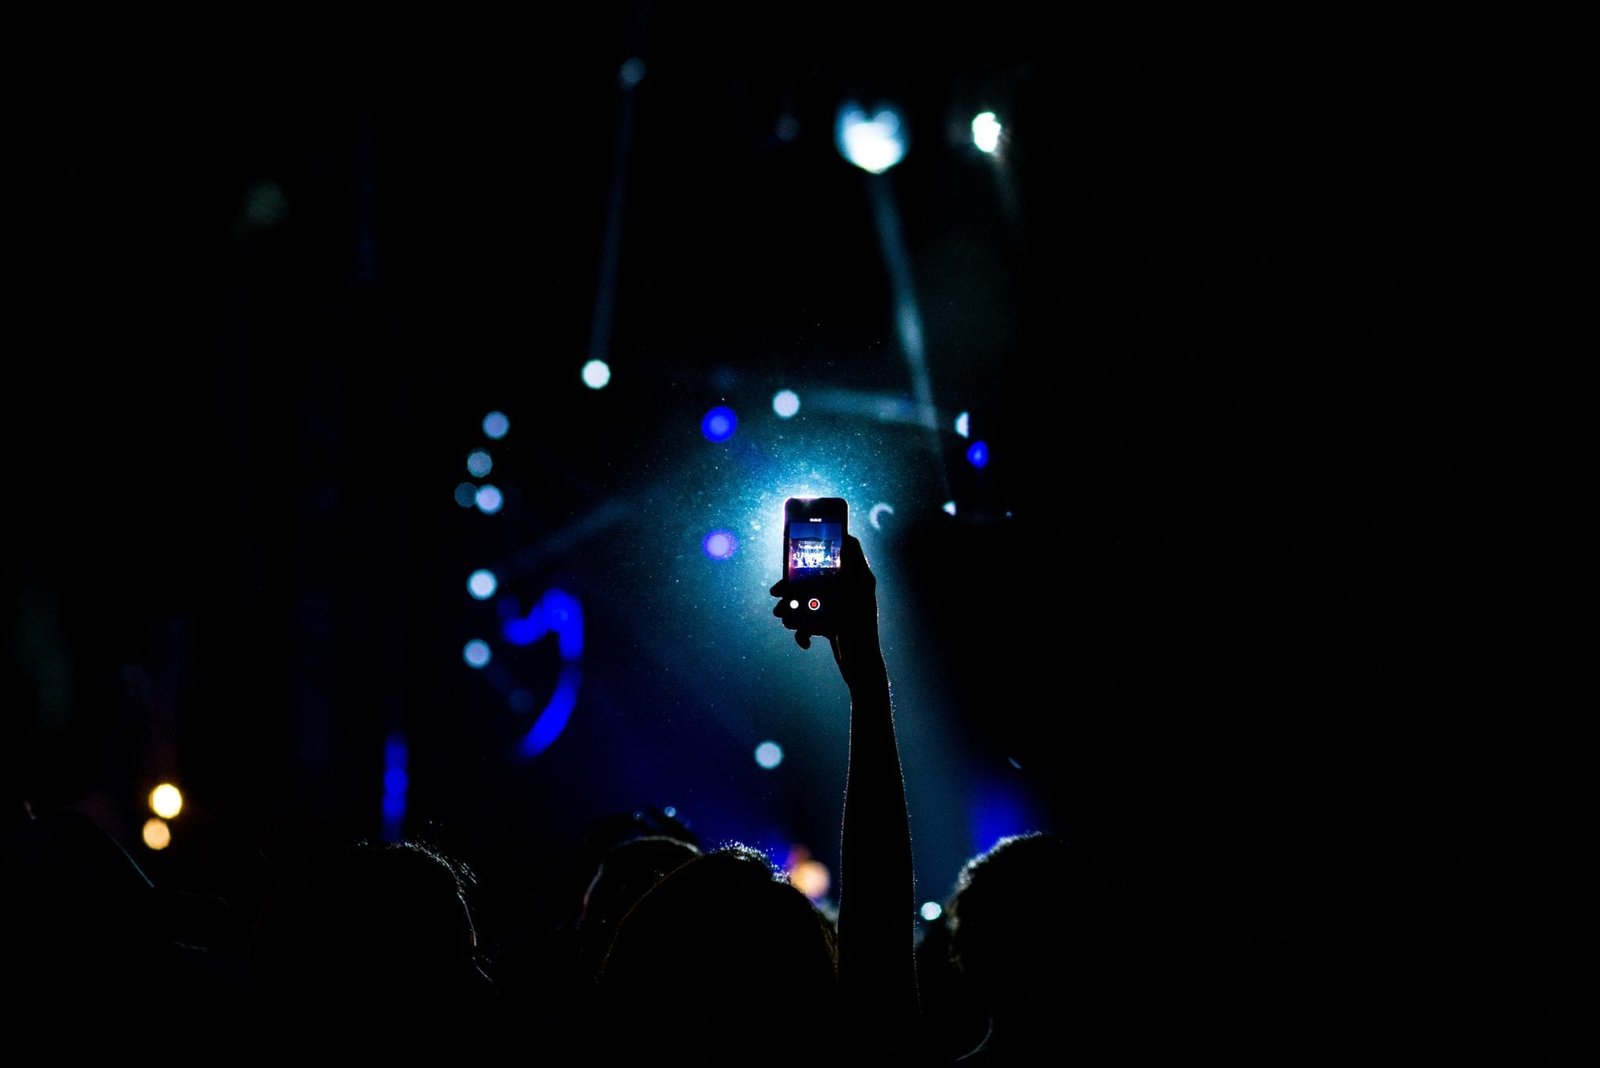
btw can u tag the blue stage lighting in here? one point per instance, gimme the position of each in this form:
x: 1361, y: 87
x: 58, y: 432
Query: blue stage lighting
x: 719, y: 423
x: 482, y: 583
x: 396, y: 781
x: 720, y: 544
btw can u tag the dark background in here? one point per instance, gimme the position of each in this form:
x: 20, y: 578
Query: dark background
x: 1255, y: 596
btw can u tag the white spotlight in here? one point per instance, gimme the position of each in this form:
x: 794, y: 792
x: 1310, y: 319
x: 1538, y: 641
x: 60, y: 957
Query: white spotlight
x: 489, y: 499
x: 596, y: 373
x: 986, y: 132
x: 482, y: 583
x: 785, y: 402
x: 873, y: 142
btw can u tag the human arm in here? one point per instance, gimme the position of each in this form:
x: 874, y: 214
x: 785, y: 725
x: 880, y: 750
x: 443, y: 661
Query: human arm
x: 876, y: 911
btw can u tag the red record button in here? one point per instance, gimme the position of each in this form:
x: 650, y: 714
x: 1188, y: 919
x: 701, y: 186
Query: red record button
x: 814, y: 604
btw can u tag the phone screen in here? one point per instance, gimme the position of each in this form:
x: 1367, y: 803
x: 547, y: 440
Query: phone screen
x: 814, y: 529
x: 815, y: 545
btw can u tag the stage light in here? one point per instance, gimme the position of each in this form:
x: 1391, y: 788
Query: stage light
x: 769, y: 755
x: 879, y: 510
x: 631, y: 73
x: 873, y: 142
x: 978, y: 454
x: 166, y: 801
x: 495, y: 425
x: 489, y: 499
x: 785, y: 402
x: 156, y: 834
x: 996, y: 810
x: 949, y: 507
x: 931, y: 910
x: 553, y: 718
x: 562, y: 613
x: 720, y: 544
x: 719, y: 423
x: 466, y: 494
x: 482, y: 583
x: 476, y: 653
x: 963, y: 424
x: 986, y: 132
x: 396, y: 781
x: 596, y: 374
x: 557, y: 611
x: 479, y: 463
x: 811, y: 878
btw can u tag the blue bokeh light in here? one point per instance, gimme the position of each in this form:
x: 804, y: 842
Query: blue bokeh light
x: 553, y: 719
x: 978, y: 454
x: 396, y: 782
x: 556, y: 611
x: 719, y: 423
x: 482, y: 583
x: 720, y: 544
x: 489, y: 499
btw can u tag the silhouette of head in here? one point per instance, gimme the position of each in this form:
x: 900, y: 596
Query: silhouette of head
x: 630, y: 869
x: 1040, y: 940
x: 382, y: 924
x: 82, y: 915
x: 726, y: 946
x: 1005, y: 919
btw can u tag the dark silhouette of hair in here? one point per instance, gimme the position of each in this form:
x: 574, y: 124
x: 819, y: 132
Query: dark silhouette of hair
x: 368, y: 937
x: 545, y: 965
x: 82, y: 928
x: 1038, y: 935
x: 629, y: 871
x: 727, y: 948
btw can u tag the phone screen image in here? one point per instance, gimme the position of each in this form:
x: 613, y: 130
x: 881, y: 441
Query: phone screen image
x: 814, y: 547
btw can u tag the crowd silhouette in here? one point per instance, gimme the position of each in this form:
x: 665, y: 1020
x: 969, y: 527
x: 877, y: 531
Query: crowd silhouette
x: 677, y: 949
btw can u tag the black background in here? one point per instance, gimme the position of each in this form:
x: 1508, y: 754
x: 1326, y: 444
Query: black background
x: 1269, y: 594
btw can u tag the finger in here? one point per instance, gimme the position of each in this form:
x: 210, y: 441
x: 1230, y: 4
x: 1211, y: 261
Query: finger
x: 802, y: 639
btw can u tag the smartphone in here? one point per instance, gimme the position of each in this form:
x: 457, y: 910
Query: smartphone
x: 813, y: 547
